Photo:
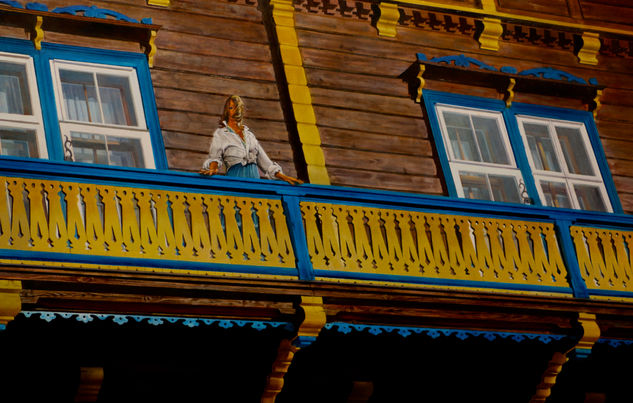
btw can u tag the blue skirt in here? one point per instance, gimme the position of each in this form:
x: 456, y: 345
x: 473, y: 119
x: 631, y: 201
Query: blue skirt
x: 244, y: 171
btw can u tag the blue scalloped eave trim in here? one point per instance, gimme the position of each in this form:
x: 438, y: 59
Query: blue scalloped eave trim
x: 540, y: 72
x: 461, y: 334
x: 615, y: 342
x: 86, y: 11
x: 159, y: 320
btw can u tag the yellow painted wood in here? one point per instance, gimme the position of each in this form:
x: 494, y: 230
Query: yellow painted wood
x: 38, y: 33
x: 118, y: 221
x: 588, y: 53
x: 160, y: 3
x: 283, y: 17
x: 150, y: 47
x: 388, y: 20
x: 383, y: 241
x: 489, y: 37
x: 604, y: 257
x: 10, y: 302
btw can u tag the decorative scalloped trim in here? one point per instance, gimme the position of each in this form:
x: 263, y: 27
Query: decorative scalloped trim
x: 86, y: 11
x: 461, y: 334
x: 158, y: 320
x: 540, y: 72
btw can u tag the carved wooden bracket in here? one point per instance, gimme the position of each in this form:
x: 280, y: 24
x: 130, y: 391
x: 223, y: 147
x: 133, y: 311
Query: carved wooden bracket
x: 275, y: 381
x: 588, y: 53
x: 489, y: 37
x: 388, y: 20
x: 10, y: 302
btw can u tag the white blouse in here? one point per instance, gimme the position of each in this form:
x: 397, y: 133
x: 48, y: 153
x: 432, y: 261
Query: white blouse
x: 228, y: 148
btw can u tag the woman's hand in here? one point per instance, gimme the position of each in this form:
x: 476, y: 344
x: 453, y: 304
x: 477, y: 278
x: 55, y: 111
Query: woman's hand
x: 213, y: 169
x: 289, y: 179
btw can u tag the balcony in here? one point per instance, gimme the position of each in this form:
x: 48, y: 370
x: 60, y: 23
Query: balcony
x: 55, y: 214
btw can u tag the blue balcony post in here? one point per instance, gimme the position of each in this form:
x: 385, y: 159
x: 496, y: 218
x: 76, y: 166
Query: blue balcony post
x: 298, y: 236
x: 568, y: 251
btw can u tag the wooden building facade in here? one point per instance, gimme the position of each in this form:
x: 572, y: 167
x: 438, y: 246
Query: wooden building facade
x: 464, y: 232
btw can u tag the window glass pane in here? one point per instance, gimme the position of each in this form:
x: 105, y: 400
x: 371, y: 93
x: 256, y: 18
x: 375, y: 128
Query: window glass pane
x: 574, y: 151
x: 116, y: 100
x: 107, y: 150
x: 541, y: 147
x: 555, y: 194
x: 18, y: 142
x: 589, y: 197
x: 504, y: 188
x: 489, y: 140
x: 125, y: 152
x: 90, y: 148
x: 475, y: 185
x: 461, y: 136
x: 80, y: 96
x: 14, y: 90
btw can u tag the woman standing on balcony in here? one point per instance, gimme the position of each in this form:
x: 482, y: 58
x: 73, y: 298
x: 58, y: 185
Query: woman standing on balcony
x: 235, y: 146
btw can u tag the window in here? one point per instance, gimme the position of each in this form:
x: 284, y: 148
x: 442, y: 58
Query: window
x: 21, y: 126
x: 100, y: 114
x: 78, y: 104
x: 480, y: 155
x: 564, y: 168
x: 522, y: 154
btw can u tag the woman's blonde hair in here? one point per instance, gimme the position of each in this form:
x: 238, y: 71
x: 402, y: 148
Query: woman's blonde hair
x: 239, y: 113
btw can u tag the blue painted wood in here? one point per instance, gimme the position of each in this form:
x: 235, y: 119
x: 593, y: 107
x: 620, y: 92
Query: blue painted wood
x: 552, y: 74
x: 294, y: 220
x: 568, y: 252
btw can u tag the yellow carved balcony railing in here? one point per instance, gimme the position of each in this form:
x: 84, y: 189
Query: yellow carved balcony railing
x: 78, y: 216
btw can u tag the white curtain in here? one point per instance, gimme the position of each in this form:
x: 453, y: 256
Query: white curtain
x: 10, y: 95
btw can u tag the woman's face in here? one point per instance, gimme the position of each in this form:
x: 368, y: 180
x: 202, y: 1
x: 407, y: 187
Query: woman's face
x: 232, y: 109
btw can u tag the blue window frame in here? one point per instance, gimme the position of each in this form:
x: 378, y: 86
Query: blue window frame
x: 95, y: 106
x: 522, y: 153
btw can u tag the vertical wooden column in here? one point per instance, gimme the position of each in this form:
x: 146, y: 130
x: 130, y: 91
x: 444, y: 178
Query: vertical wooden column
x: 310, y: 327
x: 10, y: 302
x: 309, y: 136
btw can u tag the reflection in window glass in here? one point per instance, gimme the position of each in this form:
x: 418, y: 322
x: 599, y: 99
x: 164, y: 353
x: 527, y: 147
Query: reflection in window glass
x: 107, y: 150
x: 574, y: 151
x: 116, y: 100
x: 14, y: 91
x: 108, y: 100
x: 504, y: 188
x: 18, y: 142
x: 477, y: 140
x: 589, y: 197
x: 475, y: 186
x: 555, y: 194
x: 541, y: 147
x: 484, y: 186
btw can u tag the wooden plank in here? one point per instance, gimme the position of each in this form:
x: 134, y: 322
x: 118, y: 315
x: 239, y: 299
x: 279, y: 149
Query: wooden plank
x: 374, y: 46
x: 341, y: 25
x: 366, y: 102
x: 168, y: 98
x: 614, y: 130
x: 356, y: 82
x: 351, y: 63
x: 385, y: 181
x: 214, y: 85
x: 622, y: 167
x: 603, y: 12
x: 381, y: 162
x: 189, y: 43
x: 205, y: 124
x: 616, y: 113
x: 217, y: 65
x: 370, y: 122
x: 618, y: 148
x: 387, y: 143
x: 552, y: 7
x: 218, y: 9
x: 627, y: 202
x: 623, y: 184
